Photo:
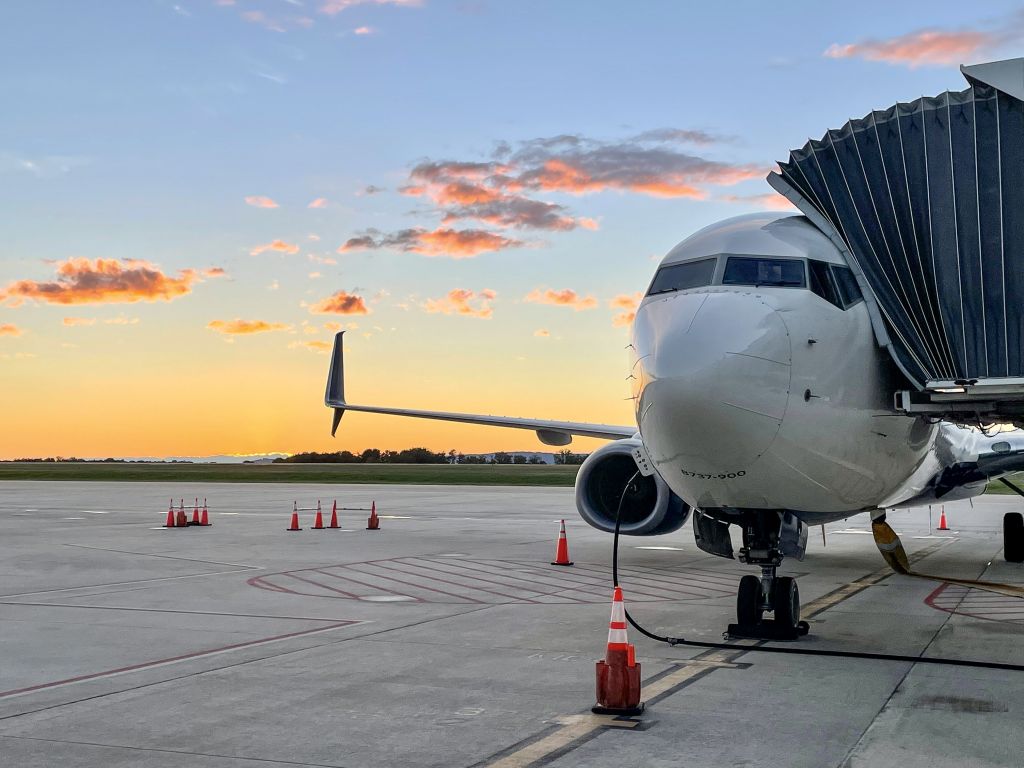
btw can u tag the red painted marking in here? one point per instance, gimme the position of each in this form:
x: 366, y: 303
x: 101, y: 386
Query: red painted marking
x: 182, y: 657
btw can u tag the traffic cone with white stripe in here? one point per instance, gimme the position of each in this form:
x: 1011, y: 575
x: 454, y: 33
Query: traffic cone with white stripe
x: 334, y: 515
x: 295, y: 518
x: 182, y: 517
x: 562, y: 548
x: 318, y: 522
x: 195, y: 513
x: 618, y: 674
x: 942, y: 520
x: 170, y: 516
x: 204, y: 518
x: 373, y: 522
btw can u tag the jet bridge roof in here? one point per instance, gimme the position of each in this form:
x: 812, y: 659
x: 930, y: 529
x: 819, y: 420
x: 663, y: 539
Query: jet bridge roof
x: 926, y: 201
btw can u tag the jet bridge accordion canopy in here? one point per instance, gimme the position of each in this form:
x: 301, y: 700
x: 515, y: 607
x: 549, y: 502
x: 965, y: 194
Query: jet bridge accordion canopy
x: 926, y: 200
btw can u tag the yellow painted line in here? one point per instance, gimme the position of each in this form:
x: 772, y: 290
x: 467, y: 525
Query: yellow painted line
x: 560, y: 739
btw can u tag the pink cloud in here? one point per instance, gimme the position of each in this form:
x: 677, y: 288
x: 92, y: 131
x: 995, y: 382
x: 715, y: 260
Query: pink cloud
x: 9, y: 329
x: 320, y: 202
x: 463, y: 302
x: 258, y: 201
x: 926, y: 47
x: 363, y: 30
x: 564, y: 298
x: 82, y: 281
x: 769, y: 201
x: 276, y: 245
x: 443, y: 241
x: 242, y: 327
x: 341, y: 303
x: 627, y: 302
x: 332, y: 7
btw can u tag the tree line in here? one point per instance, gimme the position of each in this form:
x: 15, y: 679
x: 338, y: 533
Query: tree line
x: 422, y: 456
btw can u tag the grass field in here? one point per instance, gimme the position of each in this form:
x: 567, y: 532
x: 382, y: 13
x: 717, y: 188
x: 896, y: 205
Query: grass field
x: 406, y: 474
x: 409, y: 474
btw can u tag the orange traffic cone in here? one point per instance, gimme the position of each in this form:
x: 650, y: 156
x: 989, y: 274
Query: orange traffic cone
x: 195, y: 513
x: 182, y: 517
x: 295, y: 517
x: 204, y: 518
x: 318, y: 523
x: 618, y: 674
x: 942, y: 520
x: 562, y: 548
x: 170, y: 516
x: 373, y: 523
x: 334, y: 515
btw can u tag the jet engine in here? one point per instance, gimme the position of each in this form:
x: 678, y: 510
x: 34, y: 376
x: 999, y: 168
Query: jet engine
x: 649, y: 508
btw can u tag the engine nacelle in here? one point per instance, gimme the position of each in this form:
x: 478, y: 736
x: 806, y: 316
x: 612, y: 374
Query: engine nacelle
x: 650, y: 508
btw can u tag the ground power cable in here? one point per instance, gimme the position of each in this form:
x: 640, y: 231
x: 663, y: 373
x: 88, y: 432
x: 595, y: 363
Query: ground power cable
x: 674, y: 641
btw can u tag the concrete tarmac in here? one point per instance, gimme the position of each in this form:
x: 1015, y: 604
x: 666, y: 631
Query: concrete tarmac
x: 447, y: 639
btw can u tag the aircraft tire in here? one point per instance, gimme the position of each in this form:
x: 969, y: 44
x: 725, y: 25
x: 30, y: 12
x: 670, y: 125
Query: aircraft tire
x: 786, y: 601
x: 1013, y: 537
x: 748, y: 602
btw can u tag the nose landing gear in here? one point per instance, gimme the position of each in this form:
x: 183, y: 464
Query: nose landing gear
x: 765, y: 540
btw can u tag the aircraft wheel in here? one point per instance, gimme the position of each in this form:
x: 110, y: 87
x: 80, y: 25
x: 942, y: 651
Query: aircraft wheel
x: 786, y: 601
x: 748, y: 602
x: 1013, y: 537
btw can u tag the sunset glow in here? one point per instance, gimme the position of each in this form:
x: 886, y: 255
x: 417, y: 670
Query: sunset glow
x: 199, y: 195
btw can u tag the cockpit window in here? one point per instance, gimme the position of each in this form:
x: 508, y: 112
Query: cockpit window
x: 741, y: 270
x: 823, y: 282
x: 848, y: 287
x: 679, y: 277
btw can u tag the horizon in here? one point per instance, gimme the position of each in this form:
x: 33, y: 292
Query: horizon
x: 203, y: 192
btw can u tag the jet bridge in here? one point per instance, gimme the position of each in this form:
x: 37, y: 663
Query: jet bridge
x: 926, y: 201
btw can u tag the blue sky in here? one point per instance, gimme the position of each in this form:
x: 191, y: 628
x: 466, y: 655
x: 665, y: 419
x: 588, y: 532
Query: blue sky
x: 136, y: 130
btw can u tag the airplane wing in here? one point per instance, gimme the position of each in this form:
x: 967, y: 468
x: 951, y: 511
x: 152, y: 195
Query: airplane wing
x: 549, y: 432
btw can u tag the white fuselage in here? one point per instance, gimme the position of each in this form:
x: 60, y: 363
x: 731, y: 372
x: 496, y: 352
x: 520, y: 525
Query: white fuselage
x: 769, y: 396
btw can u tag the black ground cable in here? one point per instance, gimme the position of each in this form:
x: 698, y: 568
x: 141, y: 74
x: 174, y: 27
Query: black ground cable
x: 674, y: 641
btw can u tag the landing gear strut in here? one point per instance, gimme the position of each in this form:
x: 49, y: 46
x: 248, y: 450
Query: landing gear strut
x: 767, y: 538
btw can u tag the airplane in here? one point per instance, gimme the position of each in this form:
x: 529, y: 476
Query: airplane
x: 767, y: 396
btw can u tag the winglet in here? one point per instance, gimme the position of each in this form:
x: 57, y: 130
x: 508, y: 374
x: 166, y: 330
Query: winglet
x: 335, y: 395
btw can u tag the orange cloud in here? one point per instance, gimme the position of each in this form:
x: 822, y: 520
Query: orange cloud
x: 927, y: 47
x: 9, y: 329
x: 563, y: 298
x: 76, y: 321
x: 81, y: 281
x: 769, y: 201
x: 312, y: 346
x: 341, y: 303
x: 240, y: 327
x: 258, y: 201
x: 628, y: 303
x: 542, y: 333
x: 214, y: 272
x: 320, y: 202
x: 453, y: 243
x: 277, y: 245
x: 363, y: 30
x: 461, y: 302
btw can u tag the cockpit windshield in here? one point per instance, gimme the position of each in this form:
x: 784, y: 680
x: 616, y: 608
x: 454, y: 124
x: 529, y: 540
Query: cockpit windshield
x: 679, y: 277
x: 743, y: 270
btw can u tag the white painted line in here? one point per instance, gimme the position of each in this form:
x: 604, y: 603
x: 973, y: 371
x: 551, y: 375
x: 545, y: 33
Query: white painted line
x: 673, y: 549
x: 386, y: 598
x: 937, y: 537
x: 453, y: 554
x: 31, y: 510
x: 406, y: 517
x: 72, y: 518
x: 93, y: 512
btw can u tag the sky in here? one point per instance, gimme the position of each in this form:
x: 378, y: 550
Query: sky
x: 195, y: 196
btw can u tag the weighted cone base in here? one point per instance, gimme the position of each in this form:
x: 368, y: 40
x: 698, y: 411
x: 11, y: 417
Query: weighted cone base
x: 569, y: 563
x: 597, y: 709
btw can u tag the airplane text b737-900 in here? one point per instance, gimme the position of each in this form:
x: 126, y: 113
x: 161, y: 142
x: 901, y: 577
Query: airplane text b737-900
x: 776, y: 384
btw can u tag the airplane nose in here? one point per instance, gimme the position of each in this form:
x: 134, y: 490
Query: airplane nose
x: 714, y: 379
